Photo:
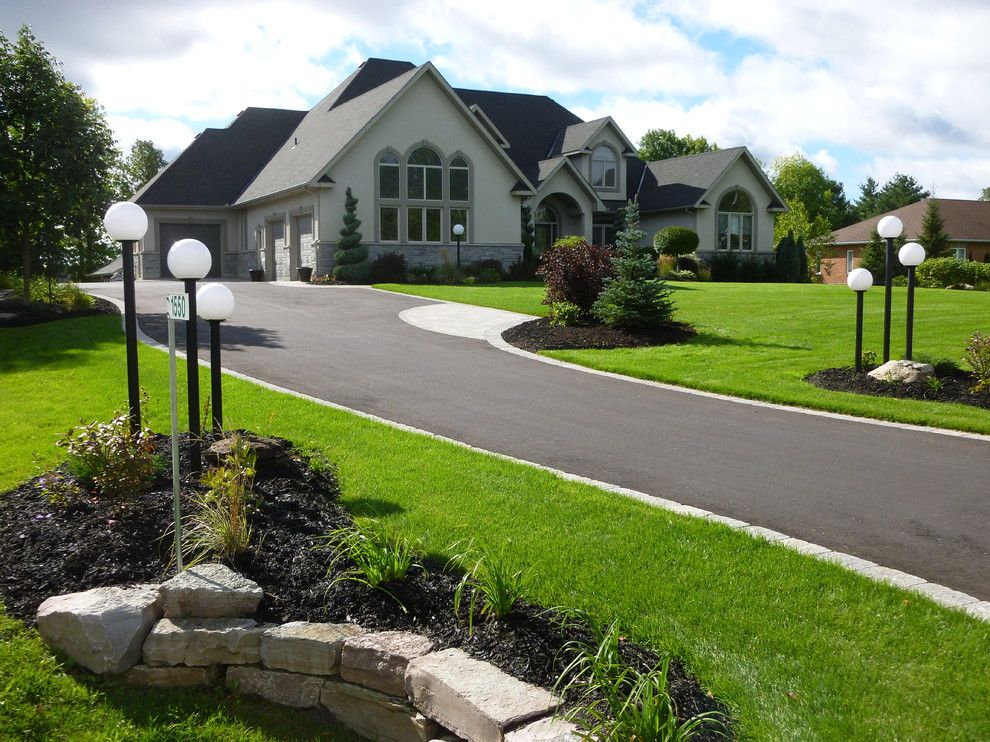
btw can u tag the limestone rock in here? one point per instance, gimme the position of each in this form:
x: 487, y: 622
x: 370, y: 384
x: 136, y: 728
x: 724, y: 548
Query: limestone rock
x: 379, y: 660
x: 102, y: 629
x: 472, y: 698
x: 203, y: 641
x: 267, y: 451
x: 377, y: 716
x: 904, y: 372
x: 210, y: 591
x: 173, y: 677
x: 300, y: 646
x: 545, y: 730
x: 285, y: 688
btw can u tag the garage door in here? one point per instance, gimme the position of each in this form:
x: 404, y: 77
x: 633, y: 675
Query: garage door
x: 208, y: 234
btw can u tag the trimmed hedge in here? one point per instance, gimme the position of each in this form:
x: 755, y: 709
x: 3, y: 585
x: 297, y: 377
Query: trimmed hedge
x: 938, y: 273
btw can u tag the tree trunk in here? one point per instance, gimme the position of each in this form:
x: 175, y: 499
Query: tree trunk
x: 26, y: 270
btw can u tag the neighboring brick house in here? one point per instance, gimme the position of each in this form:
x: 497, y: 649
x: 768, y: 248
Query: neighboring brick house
x: 966, y: 222
x: 268, y: 190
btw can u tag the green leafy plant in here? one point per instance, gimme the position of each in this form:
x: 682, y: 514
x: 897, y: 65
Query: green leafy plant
x: 675, y: 241
x: 491, y: 581
x: 564, y: 314
x: 574, y: 270
x: 218, y: 526
x: 617, y: 702
x: 110, y: 457
x: 376, y: 558
x: 934, y: 384
x: 977, y: 355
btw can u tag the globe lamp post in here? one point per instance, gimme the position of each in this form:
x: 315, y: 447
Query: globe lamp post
x: 911, y: 256
x: 127, y: 223
x: 859, y: 280
x: 890, y: 228
x: 190, y: 260
x: 458, y: 230
x: 216, y: 304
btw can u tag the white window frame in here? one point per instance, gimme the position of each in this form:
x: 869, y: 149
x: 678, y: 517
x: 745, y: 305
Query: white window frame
x: 735, y: 222
x: 959, y: 253
x: 599, y: 162
x: 424, y: 231
x: 850, y: 260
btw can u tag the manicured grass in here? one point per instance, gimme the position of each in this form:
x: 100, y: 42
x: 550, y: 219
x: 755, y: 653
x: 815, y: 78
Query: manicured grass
x: 800, y: 649
x: 759, y: 341
x: 42, y: 699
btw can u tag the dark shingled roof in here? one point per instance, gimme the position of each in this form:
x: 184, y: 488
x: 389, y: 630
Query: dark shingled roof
x: 530, y: 123
x: 370, y: 75
x: 220, y: 163
x: 680, y: 182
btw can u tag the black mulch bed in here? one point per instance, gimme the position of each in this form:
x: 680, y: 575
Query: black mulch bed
x: 539, y: 334
x: 25, y: 313
x: 952, y: 386
x: 48, y: 550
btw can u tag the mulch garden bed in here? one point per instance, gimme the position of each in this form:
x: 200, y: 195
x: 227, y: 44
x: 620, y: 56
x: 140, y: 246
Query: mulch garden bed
x: 952, y: 386
x: 539, y: 334
x: 16, y: 312
x: 48, y: 549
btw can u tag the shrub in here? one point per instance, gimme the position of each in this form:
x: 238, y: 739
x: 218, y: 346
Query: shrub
x: 687, y: 263
x: 523, y: 270
x: 940, y: 273
x: 575, y: 271
x: 218, y: 526
x: 389, y: 267
x: 679, y: 276
x: 675, y: 241
x: 729, y: 266
x: 447, y: 272
x: 110, y: 457
x: 351, y: 259
x: 486, y: 271
x: 666, y: 264
x: 564, y: 314
x: 421, y: 274
x: 977, y: 355
x: 634, y: 297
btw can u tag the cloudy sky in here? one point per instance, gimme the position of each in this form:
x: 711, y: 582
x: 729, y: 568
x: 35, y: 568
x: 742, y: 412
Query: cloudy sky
x: 862, y: 88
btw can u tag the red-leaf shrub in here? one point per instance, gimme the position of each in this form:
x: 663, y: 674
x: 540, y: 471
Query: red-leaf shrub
x: 575, y: 271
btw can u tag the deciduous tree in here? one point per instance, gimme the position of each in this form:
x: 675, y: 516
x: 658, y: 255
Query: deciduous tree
x: 799, y: 180
x: 141, y: 165
x: 662, y: 144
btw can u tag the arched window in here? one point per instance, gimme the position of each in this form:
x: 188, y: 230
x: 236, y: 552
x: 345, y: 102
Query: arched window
x: 458, y: 179
x: 546, y: 226
x: 735, y: 221
x: 388, y: 176
x: 604, y: 167
x: 424, y: 173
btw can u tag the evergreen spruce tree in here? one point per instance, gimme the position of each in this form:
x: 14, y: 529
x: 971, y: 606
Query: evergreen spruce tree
x: 874, y: 258
x: 802, y: 261
x: 527, y: 237
x: 351, y: 259
x: 634, y: 297
x: 787, y: 263
x: 933, y: 236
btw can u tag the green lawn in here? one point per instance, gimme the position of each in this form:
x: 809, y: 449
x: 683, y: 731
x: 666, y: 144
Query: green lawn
x: 800, y: 649
x: 759, y: 341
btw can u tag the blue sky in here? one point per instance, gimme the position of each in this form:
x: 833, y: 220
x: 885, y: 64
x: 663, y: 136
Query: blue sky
x: 860, y: 88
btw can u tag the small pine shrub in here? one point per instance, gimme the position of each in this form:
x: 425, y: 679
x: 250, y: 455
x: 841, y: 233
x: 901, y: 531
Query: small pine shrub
x: 389, y: 267
x: 575, y: 271
x: 110, y: 457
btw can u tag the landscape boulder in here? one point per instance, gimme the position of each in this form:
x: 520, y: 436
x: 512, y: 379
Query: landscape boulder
x: 903, y: 372
x: 379, y: 660
x: 203, y: 641
x: 376, y: 715
x: 545, y: 730
x: 173, y: 677
x: 285, y: 688
x: 102, y: 629
x: 210, y: 591
x: 300, y: 646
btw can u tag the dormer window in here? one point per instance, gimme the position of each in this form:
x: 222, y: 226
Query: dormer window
x: 604, y: 167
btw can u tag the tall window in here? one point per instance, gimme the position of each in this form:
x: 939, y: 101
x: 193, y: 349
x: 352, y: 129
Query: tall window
x: 458, y: 179
x: 388, y: 176
x: 424, y: 174
x: 546, y: 228
x: 850, y: 260
x: 423, y: 224
x: 604, y: 167
x: 735, y: 221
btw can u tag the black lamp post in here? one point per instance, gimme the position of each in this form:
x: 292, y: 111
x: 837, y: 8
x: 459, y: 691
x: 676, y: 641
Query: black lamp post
x: 890, y: 228
x: 859, y: 280
x: 458, y: 230
x: 127, y: 222
x: 190, y: 260
x: 911, y: 256
x: 216, y: 304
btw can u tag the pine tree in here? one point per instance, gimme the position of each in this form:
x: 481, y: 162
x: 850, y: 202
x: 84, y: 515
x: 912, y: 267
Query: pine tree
x: 527, y: 236
x: 933, y: 236
x: 351, y: 260
x: 866, y: 204
x: 787, y: 262
x: 634, y: 297
x: 874, y: 258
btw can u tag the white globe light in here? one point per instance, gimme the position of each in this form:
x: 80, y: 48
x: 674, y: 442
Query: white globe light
x: 890, y: 227
x: 126, y: 221
x: 911, y: 255
x: 859, y: 279
x: 458, y: 230
x: 189, y: 259
x: 214, y: 301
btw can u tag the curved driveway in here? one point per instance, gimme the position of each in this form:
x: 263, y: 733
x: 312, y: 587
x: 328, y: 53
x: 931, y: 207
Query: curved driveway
x: 912, y: 500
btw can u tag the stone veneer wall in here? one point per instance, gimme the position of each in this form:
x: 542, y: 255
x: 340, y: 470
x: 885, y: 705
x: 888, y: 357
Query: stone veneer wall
x: 392, y: 685
x: 433, y: 255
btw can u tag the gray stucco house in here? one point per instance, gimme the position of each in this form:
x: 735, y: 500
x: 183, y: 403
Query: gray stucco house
x: 267, y: 191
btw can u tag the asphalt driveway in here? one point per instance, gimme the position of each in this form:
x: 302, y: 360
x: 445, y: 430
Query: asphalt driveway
x: 912, y: 500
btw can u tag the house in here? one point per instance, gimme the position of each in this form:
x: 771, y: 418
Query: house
x: 966, y: 222
x: 267, y: 191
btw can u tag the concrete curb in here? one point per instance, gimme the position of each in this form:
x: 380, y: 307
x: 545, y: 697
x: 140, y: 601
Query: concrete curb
x: 940, y: 594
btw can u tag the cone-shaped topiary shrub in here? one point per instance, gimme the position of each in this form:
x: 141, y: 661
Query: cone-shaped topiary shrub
x: 351, y: 259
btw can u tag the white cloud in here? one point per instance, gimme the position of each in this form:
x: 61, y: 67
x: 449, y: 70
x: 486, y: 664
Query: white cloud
x: 169, y: 135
